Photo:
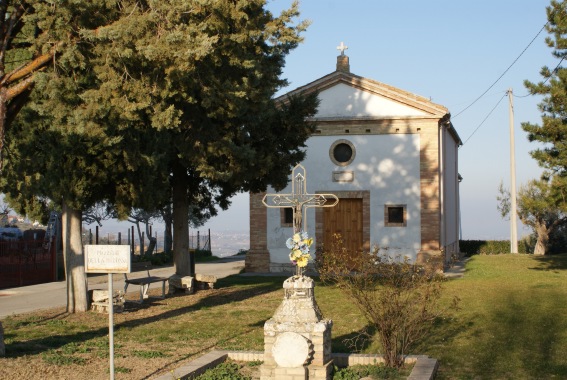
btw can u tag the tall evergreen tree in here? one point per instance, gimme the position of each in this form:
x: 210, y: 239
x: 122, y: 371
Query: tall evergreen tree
x: 23, y: 52
x: 552, y: 132
x: 59, y: 148
x: 553, y: 129
x: 149, y: 102
x: 199, y: 76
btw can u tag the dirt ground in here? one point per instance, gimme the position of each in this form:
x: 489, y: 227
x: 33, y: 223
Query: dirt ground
x: 84, y: 355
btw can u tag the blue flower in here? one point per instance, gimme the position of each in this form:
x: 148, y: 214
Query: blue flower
x: 289, y: 243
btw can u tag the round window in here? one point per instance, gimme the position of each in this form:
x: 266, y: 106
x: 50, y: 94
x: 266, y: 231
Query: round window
x: 342, y: 152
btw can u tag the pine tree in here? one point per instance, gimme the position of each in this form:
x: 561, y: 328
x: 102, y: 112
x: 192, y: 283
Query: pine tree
x: 149, y: 103
x: 200, y: 78
x: 23, y: 52
x: 553, y: 129
x: 545, y: 201
x: 58, y: 147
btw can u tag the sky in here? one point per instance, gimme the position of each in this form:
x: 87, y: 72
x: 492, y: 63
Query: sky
x: 450, y: 51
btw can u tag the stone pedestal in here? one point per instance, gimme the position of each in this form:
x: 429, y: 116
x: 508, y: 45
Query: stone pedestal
x: 205, y: 281
x: 297, y: 340
x: 184, y: 283
x: 100, y: 301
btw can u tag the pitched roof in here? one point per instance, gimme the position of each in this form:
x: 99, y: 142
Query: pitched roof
x: 374, y: 90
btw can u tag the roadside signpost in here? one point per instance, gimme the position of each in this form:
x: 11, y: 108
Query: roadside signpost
x: 108, y: 259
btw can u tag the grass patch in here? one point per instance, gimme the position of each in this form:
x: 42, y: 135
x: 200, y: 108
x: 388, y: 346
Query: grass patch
x: 512, y: 325
x: 148, y: 354
x: 378, y: 371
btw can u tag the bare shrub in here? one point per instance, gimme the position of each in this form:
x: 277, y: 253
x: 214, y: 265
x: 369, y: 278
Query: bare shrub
x: 398, y: 298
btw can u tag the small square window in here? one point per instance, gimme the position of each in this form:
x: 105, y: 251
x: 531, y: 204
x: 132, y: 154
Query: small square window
x: 395, y: 216
x: 286, y: 217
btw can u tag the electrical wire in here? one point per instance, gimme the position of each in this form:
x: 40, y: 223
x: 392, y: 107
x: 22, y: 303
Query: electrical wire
x: 480, y: 125
x: 504, y: 73
x: 546, y: 79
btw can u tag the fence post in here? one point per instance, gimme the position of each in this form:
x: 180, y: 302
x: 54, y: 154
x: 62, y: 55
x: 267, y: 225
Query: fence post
x: 53, y: 252
x: 198, y: 241
x: 143, y: 245
x: 96, y: 236
x: 210, y: 244
x: 120, y: 238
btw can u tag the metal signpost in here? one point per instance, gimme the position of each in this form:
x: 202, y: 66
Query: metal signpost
x: 108, y: 259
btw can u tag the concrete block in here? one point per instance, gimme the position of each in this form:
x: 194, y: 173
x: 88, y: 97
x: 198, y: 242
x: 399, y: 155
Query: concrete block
x: 185, y: 283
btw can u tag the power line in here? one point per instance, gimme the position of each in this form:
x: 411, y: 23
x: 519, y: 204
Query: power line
x: 492, y: 110
x: 504, y: 73
x: 546, y: 79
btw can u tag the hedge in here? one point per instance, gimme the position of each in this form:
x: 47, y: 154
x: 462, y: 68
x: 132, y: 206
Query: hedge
x: 492, y: 247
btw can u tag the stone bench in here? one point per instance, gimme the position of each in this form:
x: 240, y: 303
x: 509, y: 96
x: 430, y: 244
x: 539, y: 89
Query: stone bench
x: 189, y: 284
x: 99, y: 300
x: 205, y: 281
x: 144, y: 283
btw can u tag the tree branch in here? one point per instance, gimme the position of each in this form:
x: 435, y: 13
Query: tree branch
x: 27, y: 69
x: 8, y: 29
x: 16, y: 90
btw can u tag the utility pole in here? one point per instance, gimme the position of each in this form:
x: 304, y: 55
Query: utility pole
x: 513, y: 212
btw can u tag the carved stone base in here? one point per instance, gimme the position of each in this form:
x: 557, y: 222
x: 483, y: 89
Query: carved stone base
x: 182, y: 283
x: 205, y: 281
x: 297, y: 340
x: 100, y: 301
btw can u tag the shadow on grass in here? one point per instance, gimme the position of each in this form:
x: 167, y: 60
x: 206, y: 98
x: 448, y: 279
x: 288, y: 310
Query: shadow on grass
x: 242, y: 288
x: 356, y: 341
x: 551, y: 262
x: 517, y: 336
x: 524, y: 336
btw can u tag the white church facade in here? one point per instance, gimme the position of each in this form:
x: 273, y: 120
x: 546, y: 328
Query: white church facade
x: 390, y: 156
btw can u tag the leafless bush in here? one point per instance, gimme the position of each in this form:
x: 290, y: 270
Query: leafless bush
x: 398, y: 298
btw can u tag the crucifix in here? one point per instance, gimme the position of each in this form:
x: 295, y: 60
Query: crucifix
x: 299, y: 200
x: 342, y: 47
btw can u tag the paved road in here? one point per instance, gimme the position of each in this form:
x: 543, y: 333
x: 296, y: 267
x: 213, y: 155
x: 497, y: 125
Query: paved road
x: 53, y: 294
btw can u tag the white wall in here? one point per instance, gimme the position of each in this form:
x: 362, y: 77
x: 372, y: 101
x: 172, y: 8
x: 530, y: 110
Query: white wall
x: 450, y: 189
x: 345, y: 101
x: 386, y: 165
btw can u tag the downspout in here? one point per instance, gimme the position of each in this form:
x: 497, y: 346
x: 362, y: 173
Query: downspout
x: 441, y: 143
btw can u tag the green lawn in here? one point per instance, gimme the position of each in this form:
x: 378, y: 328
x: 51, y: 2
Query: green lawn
x: 512, y: 324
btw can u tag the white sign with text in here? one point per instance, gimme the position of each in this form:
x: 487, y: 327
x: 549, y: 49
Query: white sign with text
x: 107, y: 259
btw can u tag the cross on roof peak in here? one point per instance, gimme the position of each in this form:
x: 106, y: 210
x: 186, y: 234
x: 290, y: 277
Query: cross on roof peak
x: 342, y: 47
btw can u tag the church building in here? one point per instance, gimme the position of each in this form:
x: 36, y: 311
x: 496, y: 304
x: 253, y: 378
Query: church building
x: 391, y: 158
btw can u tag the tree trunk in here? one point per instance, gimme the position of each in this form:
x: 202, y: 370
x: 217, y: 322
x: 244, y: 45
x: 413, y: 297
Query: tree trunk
x: 137, y: 223
x: 542, y: 233
x: 183, y: 260
x: 3, y: 116
x: 74, y: 260
x: 168, y: 234
x: 168, y: 238
x: 152, y: 240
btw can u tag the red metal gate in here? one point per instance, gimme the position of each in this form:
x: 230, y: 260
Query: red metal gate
x: 26, y: 262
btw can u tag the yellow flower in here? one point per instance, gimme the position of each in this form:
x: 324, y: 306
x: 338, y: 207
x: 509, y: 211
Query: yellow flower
x: 296, y: 238
x: 295, y: 254
x: 302, y: 261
